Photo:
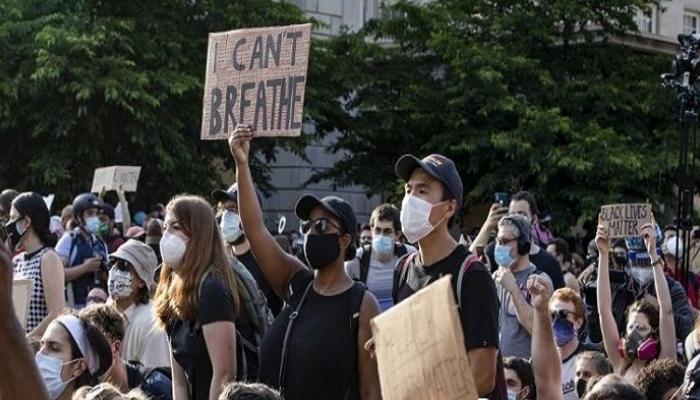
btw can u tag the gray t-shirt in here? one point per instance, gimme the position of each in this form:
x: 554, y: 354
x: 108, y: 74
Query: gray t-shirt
x: 515, y: 341
x: 380, y: 277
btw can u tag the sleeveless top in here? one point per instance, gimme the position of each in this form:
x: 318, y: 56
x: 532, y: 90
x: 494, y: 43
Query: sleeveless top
x: 28, y: 266
x: 322, y: 349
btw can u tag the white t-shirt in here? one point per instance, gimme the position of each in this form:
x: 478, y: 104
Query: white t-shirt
x: 568, y: 377
x: 380, y: 277
x: 143, y: 340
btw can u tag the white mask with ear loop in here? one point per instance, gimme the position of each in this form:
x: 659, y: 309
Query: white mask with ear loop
x: 415, y: 218
x: 50, y: 370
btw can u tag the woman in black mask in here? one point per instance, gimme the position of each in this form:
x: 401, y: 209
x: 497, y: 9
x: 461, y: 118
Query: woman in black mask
x: 28, y: 230
x: 314, y: 348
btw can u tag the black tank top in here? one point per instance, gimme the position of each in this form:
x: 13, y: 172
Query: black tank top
x: 322, y: 349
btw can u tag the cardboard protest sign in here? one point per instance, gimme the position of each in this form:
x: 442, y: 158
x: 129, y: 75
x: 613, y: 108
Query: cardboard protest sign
x: 110, y: 178
x: 626, y: 220
x: 21, y: 296
x: 420, y: 348
x: 256, y: 77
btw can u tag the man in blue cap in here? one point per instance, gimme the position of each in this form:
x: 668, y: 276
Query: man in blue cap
x: 433, y: 197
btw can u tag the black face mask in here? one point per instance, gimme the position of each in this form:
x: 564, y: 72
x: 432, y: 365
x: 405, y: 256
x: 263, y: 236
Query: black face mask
x: 13, y: 234
x: 321, y: 250
x: 581, y: 387
x: 621, y: 261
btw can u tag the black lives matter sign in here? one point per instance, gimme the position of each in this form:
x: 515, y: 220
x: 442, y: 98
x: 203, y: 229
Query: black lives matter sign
x: 256, y: 77
x: 626, y: 220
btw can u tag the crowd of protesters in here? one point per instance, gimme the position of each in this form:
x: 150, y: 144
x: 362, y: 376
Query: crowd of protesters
x: 197, y: 299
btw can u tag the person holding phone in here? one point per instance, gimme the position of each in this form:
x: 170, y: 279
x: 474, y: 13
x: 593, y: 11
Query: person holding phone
x: 522, y: 203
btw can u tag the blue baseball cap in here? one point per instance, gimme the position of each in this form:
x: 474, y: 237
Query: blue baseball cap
x: 436, y: 165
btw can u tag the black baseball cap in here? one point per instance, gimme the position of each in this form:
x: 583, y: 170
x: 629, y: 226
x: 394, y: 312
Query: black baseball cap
x: 225, y: 195
x: 231, y: 194
x: 437, y: 166
x: 340, y: 208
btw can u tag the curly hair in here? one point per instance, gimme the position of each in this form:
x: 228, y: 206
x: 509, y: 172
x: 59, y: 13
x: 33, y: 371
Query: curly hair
x: 107, y: 318
x: 648, y: 308
x: 249, y: 391
x: 660, y: 376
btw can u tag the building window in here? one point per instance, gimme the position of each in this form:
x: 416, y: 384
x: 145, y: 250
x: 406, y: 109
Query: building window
x: 690, y: 22
x: 647, y: 20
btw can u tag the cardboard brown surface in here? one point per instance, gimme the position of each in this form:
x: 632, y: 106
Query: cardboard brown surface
x: 21, y: 296
x: 257, y: 77
x: 420, y: 348
x: 626, y: 220
x: 110, y: 178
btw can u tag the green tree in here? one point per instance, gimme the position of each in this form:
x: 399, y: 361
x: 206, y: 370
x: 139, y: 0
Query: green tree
x: 521, y: 94
x: 90, y: 83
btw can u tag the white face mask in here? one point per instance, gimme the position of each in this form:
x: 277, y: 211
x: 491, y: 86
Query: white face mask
x: 230, y: 226
x: 119, y: 283
x: 415, y: 218
x: 172, y: 249
x: 643, y: 275
x: 50, y: 370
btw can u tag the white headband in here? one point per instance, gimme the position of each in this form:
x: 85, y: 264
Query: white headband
x: 74, y: 326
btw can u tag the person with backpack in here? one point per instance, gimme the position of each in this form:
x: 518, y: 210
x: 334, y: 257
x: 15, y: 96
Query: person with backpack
x: 130, y: 284
x: 197, y: 300
x: 237, y: 244
x: 374, y: 264
x: 313, y: 349
x: 512, y: 254
x: 433, y: 197
x: 83, y: 252
x: 127, y: 374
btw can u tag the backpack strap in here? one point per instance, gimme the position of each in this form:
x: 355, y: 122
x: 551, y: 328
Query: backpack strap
x: 400, y: 250
x: 403, y: 267
x: 288, y: 334
x: 364, y: 262
x: 357, y: 294
x: 463, y: 269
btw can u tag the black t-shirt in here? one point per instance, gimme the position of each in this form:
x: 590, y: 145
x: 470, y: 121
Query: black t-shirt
x: 322, y: 349
x: 542, y: 260
x: 480, y: 304
x: 274, y: 302
x: 187, y: 337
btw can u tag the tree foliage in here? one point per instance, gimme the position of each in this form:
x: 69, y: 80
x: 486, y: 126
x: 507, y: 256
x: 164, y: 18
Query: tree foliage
x: 90, y: 83
x: 521, y: 94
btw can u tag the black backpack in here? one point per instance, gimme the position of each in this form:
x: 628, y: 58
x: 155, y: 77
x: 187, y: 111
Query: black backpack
x: 400, y: 250
x: 155, y: 382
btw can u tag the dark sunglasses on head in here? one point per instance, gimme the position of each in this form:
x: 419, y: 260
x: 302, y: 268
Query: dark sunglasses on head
x: 320, y: 226
x: 120, y: 264
x: 560, y: 314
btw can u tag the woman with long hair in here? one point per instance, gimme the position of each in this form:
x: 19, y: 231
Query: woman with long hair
x: 196, y: 300
x: 28, y: 230
x: 650, y: 332
x: 313, y: 350
x: 74, y: 353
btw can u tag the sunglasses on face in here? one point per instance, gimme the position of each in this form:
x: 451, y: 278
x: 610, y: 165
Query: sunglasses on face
x: 119, y: 264
x: 504, y: 241
x: 320, y: 226
x: 560, y: 314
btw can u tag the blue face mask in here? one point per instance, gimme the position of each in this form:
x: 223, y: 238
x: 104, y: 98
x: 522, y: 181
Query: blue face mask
x: 512, y: 395
x: 564, y: 331
x: 382, y: 244
x: 503, y: 257
x: 92, y: 224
